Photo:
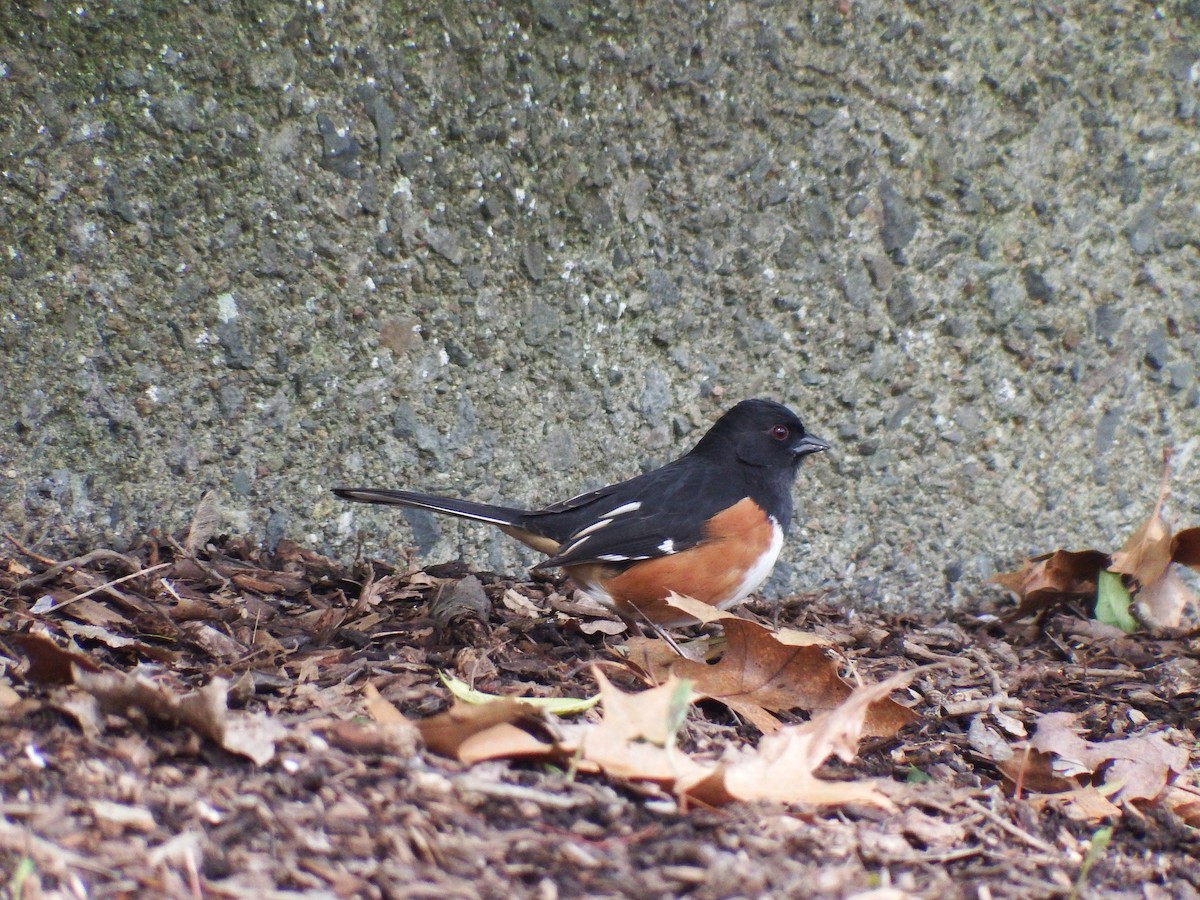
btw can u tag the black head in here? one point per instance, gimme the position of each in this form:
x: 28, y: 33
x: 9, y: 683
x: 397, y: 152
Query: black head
x: 761, y: 433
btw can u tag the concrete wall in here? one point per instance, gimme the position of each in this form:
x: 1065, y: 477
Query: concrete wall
x: 515, y: 250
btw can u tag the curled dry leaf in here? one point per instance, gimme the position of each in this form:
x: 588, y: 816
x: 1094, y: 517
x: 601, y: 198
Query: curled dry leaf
x: 381, y: 709
x: 1052, y: 578
x: 206, y: 520
x: 1184, y: 802
x: 48, y: 662
x: 1147, y: 553
x: 557, y: 706
x: 473, y: 732
x: 1161, y: 603
x: 390, y: 731
x: 1085, y: 804
x: 1185, y: 548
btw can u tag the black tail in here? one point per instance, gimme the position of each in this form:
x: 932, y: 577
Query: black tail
x: 464, y: 509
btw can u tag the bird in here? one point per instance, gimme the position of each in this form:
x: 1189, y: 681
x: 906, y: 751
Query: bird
x: 709, y: 525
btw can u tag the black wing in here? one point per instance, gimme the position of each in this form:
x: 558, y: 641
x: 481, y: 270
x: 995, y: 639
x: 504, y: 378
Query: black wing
x: 655, y: 514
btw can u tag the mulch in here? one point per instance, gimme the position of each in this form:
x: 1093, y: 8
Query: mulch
x: 164, y: 797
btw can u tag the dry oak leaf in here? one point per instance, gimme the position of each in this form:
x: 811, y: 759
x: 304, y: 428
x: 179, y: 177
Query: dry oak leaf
x: 1184, y: 802
x: 783, y: 766
x: 1147, y: 553
x: 635, y: 738
x: 1162, y: 600
x: 1146, y: 559
x: 764, y: 671
x: 48, y: 662
x: 1131, y: 768
x: 1088, y: 804
x: 205, y: 711
x: 1161, y: 603
x: 1029, y: 770
x: 1051, y: 578
x: 473, y: 732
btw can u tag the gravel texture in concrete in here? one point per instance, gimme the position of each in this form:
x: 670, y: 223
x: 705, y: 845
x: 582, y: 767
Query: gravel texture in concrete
x: 511, y: 251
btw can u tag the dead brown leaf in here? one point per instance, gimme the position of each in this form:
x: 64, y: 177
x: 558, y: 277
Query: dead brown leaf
x: 1052, y: 578
x: 206, y: 520
x: 1161, y: 603
x: 763, y: 671
x: 783, y: 766
x: 390, y: 731
x: 205, y: 711
x: 635, y: 738
x: 1184, y: 802
x: 1185, y: 548
x: 1029, y: 770
x: 1085, y: 804
x: 473, y: 732
x: 381, y: 709
x: 1147, y: 553
x: 1131, y: 768
x: 48, y: 662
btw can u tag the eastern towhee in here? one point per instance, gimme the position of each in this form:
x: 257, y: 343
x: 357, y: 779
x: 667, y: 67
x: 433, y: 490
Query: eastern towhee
x: 709, y: 525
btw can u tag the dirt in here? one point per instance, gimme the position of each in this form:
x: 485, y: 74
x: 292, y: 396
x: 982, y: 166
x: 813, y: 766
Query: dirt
x: 104, y: 793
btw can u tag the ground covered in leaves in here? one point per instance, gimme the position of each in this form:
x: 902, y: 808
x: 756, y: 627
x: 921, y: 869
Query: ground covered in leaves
x: 205, y: 718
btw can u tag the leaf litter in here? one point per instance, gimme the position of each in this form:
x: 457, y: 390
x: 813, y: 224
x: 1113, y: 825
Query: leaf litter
x: 227, y: 721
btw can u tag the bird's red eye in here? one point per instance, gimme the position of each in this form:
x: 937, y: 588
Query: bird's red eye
x: 780, y: 432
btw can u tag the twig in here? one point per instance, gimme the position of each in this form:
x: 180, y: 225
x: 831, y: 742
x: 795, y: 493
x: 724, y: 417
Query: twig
x: 25, y: 551
x: 107, y: 585
x: 994, y: 817
x: 982, y: 704
x: 658, y: 630
x: 517, y: 792
x: 951, y: 855
x: 78, y: 563
x: 49, y: 855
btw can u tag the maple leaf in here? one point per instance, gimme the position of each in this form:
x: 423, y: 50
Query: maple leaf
x: 783, y: 767
x: 763, y: 671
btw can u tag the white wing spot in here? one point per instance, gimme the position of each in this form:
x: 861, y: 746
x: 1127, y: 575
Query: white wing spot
x: 595, y: 526
x: 667, y: 547
x: 613, y: 557
x: 621, y: 510
x: 574, y: 545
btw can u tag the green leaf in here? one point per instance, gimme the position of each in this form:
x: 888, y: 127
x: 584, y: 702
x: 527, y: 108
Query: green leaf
x: 1096, y: 848
x: 1113, y: 601
x: 557, y: 706
x: 22, y: 872
x: 917, y: 776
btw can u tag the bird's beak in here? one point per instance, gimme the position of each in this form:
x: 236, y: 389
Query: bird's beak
x: 810, y: 443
